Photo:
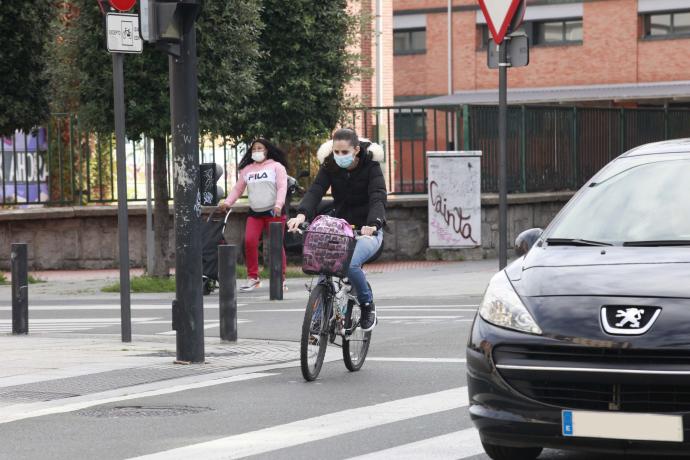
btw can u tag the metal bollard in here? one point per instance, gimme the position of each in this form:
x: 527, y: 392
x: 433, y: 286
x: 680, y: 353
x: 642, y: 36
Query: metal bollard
x: 276, y: 262
x: 227, y: 261
x: 20, y: 289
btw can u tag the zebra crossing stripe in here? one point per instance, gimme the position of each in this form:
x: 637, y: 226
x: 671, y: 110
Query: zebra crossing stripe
x: 451, y: 446
x: 318, y: 428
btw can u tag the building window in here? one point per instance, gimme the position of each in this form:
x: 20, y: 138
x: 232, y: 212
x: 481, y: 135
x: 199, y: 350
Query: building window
x: 551, y: 32
x: 561, y: 32
x: 410, y: 126
x: 670, y: 24
x: 409, y: 41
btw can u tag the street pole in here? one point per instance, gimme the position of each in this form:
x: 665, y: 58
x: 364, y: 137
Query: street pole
x: 227, y: 294
x: 276, y: 260
x: 149, y: 209
x: 122, y: 218
x: 502, y: 154
x: 20, y: 288
x: 185, y: 128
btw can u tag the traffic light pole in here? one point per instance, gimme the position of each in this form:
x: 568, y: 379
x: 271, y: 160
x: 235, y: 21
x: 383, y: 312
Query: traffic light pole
x: 188, y: 308
x: 502, y: 154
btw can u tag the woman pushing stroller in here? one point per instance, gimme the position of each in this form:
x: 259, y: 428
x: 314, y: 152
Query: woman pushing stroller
x: 263, y: 173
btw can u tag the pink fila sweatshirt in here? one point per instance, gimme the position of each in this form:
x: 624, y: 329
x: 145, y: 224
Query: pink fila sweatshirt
x: 266, y: 185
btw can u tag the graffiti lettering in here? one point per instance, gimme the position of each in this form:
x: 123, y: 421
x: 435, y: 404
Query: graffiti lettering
x: 453, y: 217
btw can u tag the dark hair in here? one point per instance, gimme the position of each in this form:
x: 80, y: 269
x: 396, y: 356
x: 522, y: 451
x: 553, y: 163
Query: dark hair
x: 273, y: 153
x: 346, y: 134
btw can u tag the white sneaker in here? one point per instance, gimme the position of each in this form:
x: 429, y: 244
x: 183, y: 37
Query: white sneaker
x: 251, y: 284
x: 285, y: 288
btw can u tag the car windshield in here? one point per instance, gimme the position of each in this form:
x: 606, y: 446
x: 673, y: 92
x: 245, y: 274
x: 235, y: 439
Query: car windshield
x: 646, y: 203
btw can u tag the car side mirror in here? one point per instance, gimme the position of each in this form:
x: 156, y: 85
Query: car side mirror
x: 526, y: 239
x: 303, y: 174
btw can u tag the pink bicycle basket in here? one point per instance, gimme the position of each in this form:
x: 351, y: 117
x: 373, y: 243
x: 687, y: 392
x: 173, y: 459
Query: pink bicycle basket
x: 328, y: 246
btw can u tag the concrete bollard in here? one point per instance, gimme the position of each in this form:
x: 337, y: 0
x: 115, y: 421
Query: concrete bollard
x: 20, y: 289
x: 227, y: 262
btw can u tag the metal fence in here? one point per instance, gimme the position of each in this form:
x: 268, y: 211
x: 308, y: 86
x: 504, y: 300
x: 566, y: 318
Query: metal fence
x: 549, y: 148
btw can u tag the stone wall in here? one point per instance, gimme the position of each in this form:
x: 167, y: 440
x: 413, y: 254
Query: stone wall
x: 86, y: 237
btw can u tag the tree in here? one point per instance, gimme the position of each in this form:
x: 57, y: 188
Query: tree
x: 228, y: 53
x: 307, y: 64
x: 23, y: 98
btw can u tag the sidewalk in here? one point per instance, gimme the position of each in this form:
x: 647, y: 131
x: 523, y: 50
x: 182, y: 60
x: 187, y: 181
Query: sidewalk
x: 43, y: 371
x: 44, y: 375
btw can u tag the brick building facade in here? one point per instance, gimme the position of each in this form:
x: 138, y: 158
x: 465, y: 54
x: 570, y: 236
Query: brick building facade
x: 573, y: 43
x: 604, y: 75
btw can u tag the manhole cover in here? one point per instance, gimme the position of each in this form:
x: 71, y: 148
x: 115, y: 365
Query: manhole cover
x: 142, y: 411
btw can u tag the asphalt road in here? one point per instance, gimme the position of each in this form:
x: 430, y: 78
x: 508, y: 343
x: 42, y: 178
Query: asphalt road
x: 409, y: 400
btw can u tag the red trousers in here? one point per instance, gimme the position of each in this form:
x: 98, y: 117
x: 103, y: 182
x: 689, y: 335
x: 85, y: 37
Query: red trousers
x: 252, y: 235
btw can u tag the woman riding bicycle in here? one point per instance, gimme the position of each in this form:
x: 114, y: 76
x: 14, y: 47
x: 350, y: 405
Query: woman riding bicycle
x: 351, y: 170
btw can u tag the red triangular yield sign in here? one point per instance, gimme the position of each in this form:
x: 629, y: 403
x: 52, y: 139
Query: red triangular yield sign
x: 498, y: 14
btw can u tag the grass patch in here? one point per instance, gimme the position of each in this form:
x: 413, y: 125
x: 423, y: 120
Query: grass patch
x: 150, y: 284
x: 290, y: 272
x: 145, y: 284
x: 32, y: 279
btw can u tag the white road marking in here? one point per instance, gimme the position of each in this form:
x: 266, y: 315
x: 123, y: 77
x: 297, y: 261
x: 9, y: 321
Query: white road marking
x: 24, y: 411
x: 69, y: 324
x: 102, y: 307
x: 416, y: 360
x: 422, y: 317
x: 318, y: 428
x: 424, y: 307
x: 207, y: 325
x: 451, y: 446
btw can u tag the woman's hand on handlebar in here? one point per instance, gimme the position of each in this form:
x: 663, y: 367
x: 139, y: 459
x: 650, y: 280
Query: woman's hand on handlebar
x: 294, y: 223
x: 223, y: 206
x: 368, y: 231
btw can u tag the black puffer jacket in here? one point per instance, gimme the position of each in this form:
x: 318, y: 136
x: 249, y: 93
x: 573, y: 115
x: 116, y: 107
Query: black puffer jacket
x: 359, y: 196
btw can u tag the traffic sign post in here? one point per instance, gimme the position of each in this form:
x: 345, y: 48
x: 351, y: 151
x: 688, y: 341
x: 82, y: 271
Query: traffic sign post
x: 502, y: 17
x: 122, y: 32
x: 122, y: 37
x: 499, y: 15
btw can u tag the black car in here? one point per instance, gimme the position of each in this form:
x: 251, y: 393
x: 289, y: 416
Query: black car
x: 584, y: 342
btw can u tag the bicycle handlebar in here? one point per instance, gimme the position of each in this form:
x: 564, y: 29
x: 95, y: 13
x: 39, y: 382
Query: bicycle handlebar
x: 305, y: 225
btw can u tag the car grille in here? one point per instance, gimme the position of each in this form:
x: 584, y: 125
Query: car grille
x: 594, y: 390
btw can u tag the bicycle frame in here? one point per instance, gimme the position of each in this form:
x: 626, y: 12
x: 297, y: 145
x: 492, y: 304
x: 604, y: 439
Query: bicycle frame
x: 333, y: 311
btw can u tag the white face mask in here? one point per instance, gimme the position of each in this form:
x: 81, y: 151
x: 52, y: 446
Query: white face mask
x: 259, y: 156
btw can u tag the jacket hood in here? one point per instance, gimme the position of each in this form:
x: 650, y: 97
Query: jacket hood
x: 364, y: 144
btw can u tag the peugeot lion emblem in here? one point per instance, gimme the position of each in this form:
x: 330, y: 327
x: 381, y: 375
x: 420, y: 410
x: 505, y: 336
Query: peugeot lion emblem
x: 622, y: 320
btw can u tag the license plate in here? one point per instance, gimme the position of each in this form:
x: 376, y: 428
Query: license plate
x: 617, y: 425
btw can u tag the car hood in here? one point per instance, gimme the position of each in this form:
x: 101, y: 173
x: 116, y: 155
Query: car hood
x: 603, y: 271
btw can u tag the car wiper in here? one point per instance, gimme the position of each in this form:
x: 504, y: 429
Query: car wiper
x: 575, y: 242
x: 658, y: 243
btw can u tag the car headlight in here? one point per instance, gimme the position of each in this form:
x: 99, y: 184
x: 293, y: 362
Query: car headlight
x: 502, y: 307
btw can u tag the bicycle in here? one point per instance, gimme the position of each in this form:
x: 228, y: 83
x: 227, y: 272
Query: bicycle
x: 332, y: 311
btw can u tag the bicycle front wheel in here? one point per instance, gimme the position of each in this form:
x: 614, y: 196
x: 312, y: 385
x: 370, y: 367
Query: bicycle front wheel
x: 356, y: 345
x: 314, y: 334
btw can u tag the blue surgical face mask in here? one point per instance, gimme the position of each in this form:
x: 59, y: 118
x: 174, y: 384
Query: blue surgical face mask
x: 344, y: 161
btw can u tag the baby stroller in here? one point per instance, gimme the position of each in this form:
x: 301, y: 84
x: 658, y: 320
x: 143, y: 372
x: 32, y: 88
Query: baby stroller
x: 213, y: 234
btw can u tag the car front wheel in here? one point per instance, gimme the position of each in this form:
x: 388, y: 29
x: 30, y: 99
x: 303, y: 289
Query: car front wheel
x: 511, y: 453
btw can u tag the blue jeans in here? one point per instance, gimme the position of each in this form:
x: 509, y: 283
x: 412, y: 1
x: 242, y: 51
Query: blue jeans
x: 365, y: 248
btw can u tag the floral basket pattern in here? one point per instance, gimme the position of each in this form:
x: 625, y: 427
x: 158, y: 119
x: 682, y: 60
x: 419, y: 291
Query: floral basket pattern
x: 328, y: 246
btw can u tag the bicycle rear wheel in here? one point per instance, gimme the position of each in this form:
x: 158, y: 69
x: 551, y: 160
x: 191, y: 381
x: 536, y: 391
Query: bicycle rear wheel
x: 314, y: 334
x: 356, y: 345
